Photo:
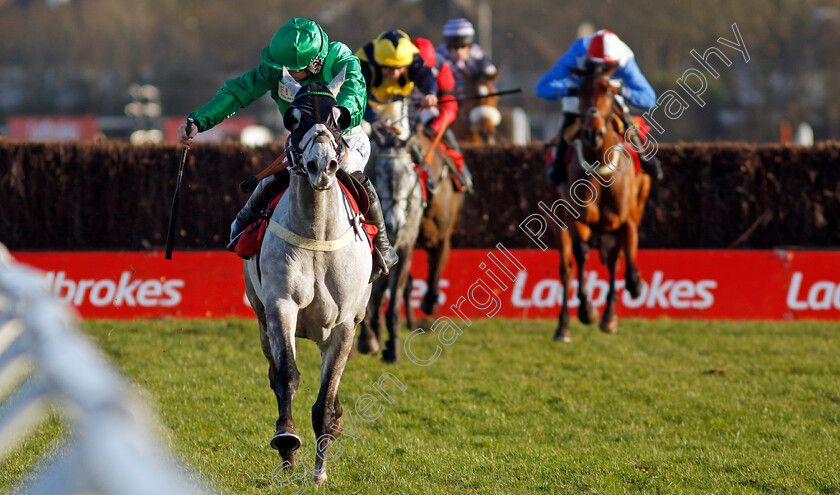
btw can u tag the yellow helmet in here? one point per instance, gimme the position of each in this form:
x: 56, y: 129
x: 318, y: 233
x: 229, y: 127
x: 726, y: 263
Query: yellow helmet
x: 394, y: 49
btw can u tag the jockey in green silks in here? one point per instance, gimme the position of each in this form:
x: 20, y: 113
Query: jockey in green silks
x: 303, y: 48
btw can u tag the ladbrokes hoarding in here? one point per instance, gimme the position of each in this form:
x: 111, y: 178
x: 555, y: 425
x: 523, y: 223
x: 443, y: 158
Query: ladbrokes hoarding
x: 477, y: 283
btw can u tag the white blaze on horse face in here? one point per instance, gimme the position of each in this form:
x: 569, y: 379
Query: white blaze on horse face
x: 318, y: 145
x: 335, y: 85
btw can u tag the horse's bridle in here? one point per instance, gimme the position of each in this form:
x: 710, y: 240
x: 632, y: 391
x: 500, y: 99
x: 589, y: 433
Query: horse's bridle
x: 295, y: 154
x: 596, y: 111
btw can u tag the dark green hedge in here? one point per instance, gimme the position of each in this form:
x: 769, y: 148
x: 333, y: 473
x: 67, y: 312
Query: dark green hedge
x: 76, y: 196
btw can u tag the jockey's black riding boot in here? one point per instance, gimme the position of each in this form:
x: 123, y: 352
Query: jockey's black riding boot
x: 557, y: 173
x: 386, y: 256
x: 256, y: 203
x: 651, y: 165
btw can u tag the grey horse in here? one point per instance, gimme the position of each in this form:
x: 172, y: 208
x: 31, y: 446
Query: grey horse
x: 400, y: 193
x: 310, y: 279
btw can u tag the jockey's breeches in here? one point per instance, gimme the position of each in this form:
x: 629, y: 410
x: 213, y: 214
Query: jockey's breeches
x: 358, y: 150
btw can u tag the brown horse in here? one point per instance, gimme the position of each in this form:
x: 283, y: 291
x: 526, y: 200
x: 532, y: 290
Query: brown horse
x: 436, y: 228
x: 478, y: 118
x: 603, y: 201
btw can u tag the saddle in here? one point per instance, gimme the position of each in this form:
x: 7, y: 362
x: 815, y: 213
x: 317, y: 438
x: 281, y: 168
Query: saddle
x: 250, y: 242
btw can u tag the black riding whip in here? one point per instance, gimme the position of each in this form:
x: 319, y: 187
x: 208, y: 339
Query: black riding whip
x: 173, y: 214
x: 448, y: 98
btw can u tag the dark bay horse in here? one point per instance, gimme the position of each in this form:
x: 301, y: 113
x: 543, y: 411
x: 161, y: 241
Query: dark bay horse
x: 310, y: 279
x: 603, y: 201
x: 399, y: 186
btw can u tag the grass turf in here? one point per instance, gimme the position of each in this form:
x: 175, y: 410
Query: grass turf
x: 664, y: 406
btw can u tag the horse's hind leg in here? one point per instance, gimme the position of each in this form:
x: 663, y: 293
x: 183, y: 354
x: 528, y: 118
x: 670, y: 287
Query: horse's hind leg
x: 609, y: 320
x: 398, y: 281
x: 370, y: 328
x: 326, y: 412
x: 409, y: 314
x: 280, y: 332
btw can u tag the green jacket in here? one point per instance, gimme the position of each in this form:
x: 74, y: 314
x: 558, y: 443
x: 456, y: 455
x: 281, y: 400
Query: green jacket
x: 241, y: 91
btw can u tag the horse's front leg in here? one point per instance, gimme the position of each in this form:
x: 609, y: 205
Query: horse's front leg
x: 586, y: 311
x: 438, y: 256
x: 564, y: 242
x: 281, y: 318
x: 326, y: 412
x: 609, y: 320
x: 629, y: 241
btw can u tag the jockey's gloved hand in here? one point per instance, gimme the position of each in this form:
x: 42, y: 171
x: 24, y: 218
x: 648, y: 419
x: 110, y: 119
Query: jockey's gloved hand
x: 428, y: 101
x: 566, y: 88
x: 183, y: 138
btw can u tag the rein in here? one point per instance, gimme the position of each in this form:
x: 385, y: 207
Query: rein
x: 608, y: 117
x: 295, y: 155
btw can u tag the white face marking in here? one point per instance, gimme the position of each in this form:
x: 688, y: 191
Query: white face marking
x: 318, y: 145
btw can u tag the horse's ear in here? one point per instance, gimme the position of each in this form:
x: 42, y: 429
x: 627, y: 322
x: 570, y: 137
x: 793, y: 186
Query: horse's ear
x: 291, y: 119
x: 335, y: 85
x: 609, y: 68
x: 342, y: 116
x: 289, y: 82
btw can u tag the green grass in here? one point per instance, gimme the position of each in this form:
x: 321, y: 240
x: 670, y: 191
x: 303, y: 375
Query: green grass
x: 663, y: 407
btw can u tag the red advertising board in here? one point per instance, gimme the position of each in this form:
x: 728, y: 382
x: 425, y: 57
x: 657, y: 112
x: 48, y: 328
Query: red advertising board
x: 54, y: 127
x: 477, y: 284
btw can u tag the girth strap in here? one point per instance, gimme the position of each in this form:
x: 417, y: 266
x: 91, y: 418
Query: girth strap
x: 311, y: 244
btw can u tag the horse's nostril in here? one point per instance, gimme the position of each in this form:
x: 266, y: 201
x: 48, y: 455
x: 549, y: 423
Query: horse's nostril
x: 312, y: 166
x: 333, y: 165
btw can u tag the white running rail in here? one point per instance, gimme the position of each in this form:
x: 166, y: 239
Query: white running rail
x: 113, y: 447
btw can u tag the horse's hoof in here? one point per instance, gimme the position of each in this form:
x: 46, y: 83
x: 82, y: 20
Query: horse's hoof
x: 633, y: 284
x: 319, y: 479
x: 368, y: 346
x: 429, y: 306
x: 587, y: 315
x: 563, y: 335
x: 390, y: 356
x: 285, y: 440
x: 610, y: 326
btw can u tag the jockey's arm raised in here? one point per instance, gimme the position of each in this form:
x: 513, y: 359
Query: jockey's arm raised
x: 636, y: 89
x: 241, y: 91
x: 557, y: 81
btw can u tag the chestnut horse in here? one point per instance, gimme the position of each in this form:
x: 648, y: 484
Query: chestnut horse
x: 436, y: 229
x: 478, y: 119
x: 602, y: 203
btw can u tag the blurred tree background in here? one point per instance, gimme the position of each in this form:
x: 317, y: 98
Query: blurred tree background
x: 81, y: 56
